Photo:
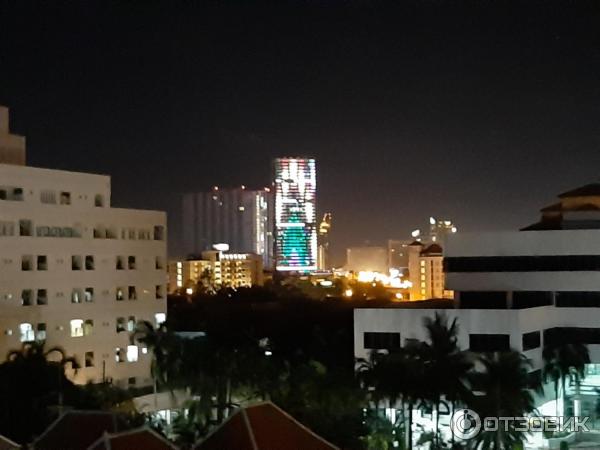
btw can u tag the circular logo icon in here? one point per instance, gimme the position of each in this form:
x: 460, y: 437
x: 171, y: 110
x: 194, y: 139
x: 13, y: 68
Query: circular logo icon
x: 465, y: 423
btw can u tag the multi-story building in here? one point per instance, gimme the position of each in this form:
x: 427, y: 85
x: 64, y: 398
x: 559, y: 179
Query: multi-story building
x: 398, y: 254
x: 323, y: 259
x: 426, y: 271
x: 75, y: 272
x: 239, y: 217
x: 215, y: 270
x: 519, y: 290
x: 295, y: 214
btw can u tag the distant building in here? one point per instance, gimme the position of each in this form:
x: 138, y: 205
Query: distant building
x: 215, y: 270
x: 426, y: 272
x: 295, y: 214
x: 367, y: 259
x: 323, y: 262
x: 75, y: 272
x: 398, y: 253
x: 240, y: 217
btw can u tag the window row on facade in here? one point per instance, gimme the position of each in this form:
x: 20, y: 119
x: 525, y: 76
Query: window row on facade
x: 47, y: 196
x: 31, y: 297
x: 26, y: 227
x: 85, y: 262
x: 79, y: 327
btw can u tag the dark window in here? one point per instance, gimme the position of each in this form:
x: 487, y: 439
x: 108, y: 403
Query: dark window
x: 534, y: 379
x: 562, y: 263
x: 531, y: 299
x: 483, y: 300
x: 378, y: 341
x: 89, y: 262
x: 578, y: 299
x: 42, y: 262
x: 489, y: 342
x: 532, y: 340
x: 571, y: 335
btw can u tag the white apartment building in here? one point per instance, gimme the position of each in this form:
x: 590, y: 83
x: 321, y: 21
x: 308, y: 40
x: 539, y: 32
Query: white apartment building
x: 75, y: 272
x: 515, y: 290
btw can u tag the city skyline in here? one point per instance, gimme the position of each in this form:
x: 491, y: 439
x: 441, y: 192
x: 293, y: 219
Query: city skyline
x: 428, y: 99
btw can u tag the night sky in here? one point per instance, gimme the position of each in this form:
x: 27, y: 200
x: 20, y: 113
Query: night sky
x: 477, y: 111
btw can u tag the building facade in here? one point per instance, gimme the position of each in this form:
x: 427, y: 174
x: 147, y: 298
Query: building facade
x: 515, y: 290
x: 426, y: 272
x: 75, y: 272
x: 295, y: 214
x: 239, y: 217
x: 216, y: 270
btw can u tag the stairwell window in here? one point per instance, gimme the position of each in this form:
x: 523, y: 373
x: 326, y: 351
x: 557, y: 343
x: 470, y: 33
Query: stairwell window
x: 77, y: 328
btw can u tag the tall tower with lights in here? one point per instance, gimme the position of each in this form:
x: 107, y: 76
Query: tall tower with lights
x: 295, y: 214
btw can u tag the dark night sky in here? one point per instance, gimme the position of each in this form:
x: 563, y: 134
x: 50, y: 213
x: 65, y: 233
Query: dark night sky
x: 479, y: 111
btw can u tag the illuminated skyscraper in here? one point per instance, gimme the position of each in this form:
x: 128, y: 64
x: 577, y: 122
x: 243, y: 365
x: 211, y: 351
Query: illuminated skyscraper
x: 295, y: 214
x: 323, y: 241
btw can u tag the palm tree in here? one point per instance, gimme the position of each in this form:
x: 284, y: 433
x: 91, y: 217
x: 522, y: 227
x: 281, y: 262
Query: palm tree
x: 504, y: 387
x: 446, y: 366
x: 166, y: 354
x: 562, y: 362
x: 35, y: 354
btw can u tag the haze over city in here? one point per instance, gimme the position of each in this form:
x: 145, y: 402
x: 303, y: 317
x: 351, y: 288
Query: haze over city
x: 411, y: 110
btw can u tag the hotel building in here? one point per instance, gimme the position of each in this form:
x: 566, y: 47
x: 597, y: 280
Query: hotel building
x: 215, y: 270
x: 239, y: 217
x: 295, y: 214
x: 75, y: 272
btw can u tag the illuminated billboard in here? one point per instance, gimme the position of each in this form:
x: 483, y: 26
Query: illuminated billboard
x: 295, y: 214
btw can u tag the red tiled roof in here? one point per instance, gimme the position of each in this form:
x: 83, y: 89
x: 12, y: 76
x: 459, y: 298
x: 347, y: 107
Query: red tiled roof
x: 263, y: 427
x: 77, y: 430
x: 139, y: 439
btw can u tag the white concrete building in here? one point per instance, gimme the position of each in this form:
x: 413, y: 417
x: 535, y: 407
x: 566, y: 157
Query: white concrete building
x: 514, y: 290
x: 77, y: 273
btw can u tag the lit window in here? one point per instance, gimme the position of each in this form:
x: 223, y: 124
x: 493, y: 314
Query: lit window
x: 88, y: 327
x: 76, y: 328
x: 132, y: 353
x: 76, y: 296
x: 160, y: 318
x: 118, y: 355
x: 131, y: 324
x: 120, y: 324
x: 120, y: 294
x: 41, y: 332
x: 89, y: 294
x: 27, y: 334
